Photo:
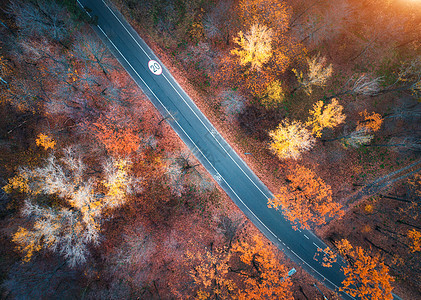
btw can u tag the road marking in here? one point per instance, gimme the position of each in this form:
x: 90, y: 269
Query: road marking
x: 155, y: 67
x: 214, y: 132
x: 316, y: 245
x: 306, y: 237
x: 217, y: 176
x: 196, y: 145
x: 135, y: 40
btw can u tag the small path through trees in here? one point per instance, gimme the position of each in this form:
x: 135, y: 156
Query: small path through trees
x: 381, y: 183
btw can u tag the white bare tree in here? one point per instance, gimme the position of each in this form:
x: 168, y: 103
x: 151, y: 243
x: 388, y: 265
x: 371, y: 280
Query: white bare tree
x: 73, y: 224
x: 182, y: 171
x: 233, y: 103
x: 90, y: 50
x: 356, y: 138
x: 317, y: 75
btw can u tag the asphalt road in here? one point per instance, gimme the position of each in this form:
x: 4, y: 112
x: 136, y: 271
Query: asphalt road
x: 221, y: 161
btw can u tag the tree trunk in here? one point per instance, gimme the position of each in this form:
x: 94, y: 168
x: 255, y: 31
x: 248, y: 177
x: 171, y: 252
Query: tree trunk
x: 403, y: 222
x: 377, y: 247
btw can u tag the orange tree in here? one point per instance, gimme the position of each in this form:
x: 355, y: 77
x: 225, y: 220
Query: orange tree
x: 210, y: 274
x: 306, y: 199
x: 117, y: 131
x: 366, y: 277
x: 265, y: 276
x: 219, y: 273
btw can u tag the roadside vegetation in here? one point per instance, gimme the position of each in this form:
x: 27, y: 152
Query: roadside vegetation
x: 326, y: 98
x: 100, y: 198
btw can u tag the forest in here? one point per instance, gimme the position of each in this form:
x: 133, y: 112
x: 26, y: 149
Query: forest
x: 100, y: 199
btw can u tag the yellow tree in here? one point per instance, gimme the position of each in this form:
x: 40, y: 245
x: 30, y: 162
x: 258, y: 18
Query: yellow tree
x: 289, y: 139
x: 306, y: 199
x: 265, y: 276
x: 317, y: 75
x: 366, y: 277
x: 254, y: 46
x: 325, y: 116
x: 273, y: 95
x: 68, y: 220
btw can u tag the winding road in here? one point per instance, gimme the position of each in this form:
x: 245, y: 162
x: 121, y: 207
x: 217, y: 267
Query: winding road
x: 220, y: 160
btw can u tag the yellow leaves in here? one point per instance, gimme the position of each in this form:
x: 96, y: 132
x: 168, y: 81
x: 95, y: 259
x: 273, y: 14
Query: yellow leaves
x: 371, y: 122
x: 415, y: 183
x: 289, y: 139
x: 20, y: 182
x: 196, y: 29
x: 117, y: 183
x: 368, y: 208
x: 254, y: 46
x: 26, y: 243
x: 273, y: 95
x: 45, y: 141
x: 415, y: 238
x: 72, y: 74
x: 325, y: 116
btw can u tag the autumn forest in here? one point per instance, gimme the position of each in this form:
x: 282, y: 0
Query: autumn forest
x: 101, y: 199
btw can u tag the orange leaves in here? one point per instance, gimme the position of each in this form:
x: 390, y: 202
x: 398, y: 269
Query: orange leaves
x: 366, y: 277
x: 344, y: 246
x: 116, y: 131
x: 371, y: 122
x: 307, y: 199
x: 415, y: 238
x: 272, y: 13
x: 266, y: 278
x: 45, y: 141
x: 4, y: 71
x: 210, y: 273
x: 328, y: 257
x: 260, y: 270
